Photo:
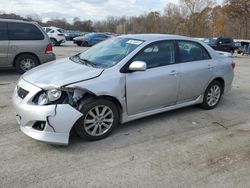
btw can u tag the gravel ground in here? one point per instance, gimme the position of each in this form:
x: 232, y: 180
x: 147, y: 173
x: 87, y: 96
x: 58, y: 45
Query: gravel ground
x: 189, y: 147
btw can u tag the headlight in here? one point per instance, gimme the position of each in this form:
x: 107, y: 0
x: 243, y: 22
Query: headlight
x: 48, y: 96
x: 54, y: 95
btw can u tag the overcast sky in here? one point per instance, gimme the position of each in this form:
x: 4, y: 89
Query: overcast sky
x: 84, y: 9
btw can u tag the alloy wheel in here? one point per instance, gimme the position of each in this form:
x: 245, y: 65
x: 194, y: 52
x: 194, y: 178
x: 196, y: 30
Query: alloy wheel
x: 213, y: 95
x: 98, y: 120
x: 27, y: 64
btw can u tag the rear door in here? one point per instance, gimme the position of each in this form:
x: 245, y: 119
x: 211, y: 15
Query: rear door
x: 4, y: 45
x: 197, y: 69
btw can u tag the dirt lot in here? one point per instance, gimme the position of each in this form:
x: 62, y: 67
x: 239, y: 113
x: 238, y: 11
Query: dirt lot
x: 189, y: 147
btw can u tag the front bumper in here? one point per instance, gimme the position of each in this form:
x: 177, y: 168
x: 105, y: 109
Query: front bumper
x: 57, y: 119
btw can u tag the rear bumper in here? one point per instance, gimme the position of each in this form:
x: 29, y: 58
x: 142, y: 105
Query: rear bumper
x: 44, y: 58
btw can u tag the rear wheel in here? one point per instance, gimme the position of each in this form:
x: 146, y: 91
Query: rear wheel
x: 232, y: 51
x: 53, y: 42
x: 100, y: 117
x: 85, y: 44
x: 212, y: 95
x: 25, y: 62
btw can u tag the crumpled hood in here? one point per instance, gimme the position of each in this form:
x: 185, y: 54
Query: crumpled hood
x: 59, y: 73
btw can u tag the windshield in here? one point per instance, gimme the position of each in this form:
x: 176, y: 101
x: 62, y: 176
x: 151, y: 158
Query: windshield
x: 108, y: 53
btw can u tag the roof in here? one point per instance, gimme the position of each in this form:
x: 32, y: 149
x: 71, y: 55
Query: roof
x: 152, y: 37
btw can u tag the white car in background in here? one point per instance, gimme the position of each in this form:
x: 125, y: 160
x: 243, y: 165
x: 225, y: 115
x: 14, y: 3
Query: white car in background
x: 56, y: 35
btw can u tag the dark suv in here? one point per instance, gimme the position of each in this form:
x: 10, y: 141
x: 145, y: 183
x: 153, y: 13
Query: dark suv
x: 23, y: 45
x: 225, y: 44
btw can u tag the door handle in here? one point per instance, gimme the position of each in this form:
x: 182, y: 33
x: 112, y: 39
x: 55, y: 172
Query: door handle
x: 173, y: 73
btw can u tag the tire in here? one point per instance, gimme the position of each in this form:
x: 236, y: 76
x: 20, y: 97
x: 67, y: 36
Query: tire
x: 211, y: 99
x: 232, y: 51
x: 93, y: 127
x: 53, y: 42
x: 79, y: 43
x: 58, y: 43
x: 85, y: 44
x: 26, y: 62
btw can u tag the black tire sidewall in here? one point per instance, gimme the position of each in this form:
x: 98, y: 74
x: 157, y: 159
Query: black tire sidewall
x: 79, y: 127
x: 85, y: 44
x: 232, y: 51
x: 22, y: 57
x: 205, y: 103
x: 79, y: 43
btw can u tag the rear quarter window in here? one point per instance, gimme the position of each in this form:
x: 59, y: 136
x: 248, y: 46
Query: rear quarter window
x: 3, y: 31
x: 24, y: 31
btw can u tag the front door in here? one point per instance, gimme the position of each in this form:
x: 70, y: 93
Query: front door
x: 4, y: 45
x: 156, y: 87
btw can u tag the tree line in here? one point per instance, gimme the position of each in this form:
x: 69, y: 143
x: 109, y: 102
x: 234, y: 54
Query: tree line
x: 195, y: 18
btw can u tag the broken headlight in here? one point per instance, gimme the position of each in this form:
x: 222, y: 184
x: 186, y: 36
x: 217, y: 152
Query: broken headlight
x: 47, y: 97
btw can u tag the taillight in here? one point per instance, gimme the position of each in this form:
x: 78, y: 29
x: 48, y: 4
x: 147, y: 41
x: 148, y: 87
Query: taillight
x: 233, y: 65
x: 49, y: 48
x: 60, y: 34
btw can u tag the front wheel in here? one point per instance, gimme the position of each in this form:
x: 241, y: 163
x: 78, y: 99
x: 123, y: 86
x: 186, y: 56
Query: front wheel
x: 79, y: 43
x: 100, y: 117
x: 212, y: 95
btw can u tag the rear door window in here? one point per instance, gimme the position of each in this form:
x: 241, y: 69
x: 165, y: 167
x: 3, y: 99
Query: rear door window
x: 24, y: 31
x: 3, y: 31
x: 192, y: 51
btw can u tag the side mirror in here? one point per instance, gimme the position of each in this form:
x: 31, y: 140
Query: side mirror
x: 138, y: 66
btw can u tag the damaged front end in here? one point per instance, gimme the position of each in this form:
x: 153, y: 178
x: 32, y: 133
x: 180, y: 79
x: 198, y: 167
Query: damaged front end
x: 47, y: 115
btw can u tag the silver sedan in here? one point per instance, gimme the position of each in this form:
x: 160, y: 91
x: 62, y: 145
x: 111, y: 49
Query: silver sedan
x: 116, y: 81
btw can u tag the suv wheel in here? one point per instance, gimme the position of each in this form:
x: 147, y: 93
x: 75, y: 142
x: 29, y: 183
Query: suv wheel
x: 26, y: 62
x: 212, y: 95
x: 100, y: 117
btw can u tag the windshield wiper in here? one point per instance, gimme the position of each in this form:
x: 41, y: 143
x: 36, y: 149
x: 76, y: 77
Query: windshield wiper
x: 86, y: 61
x: 75, y: 57
x: 78, y: 59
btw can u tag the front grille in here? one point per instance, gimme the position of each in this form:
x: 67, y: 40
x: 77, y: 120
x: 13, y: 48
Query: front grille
x: 22, y: 93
